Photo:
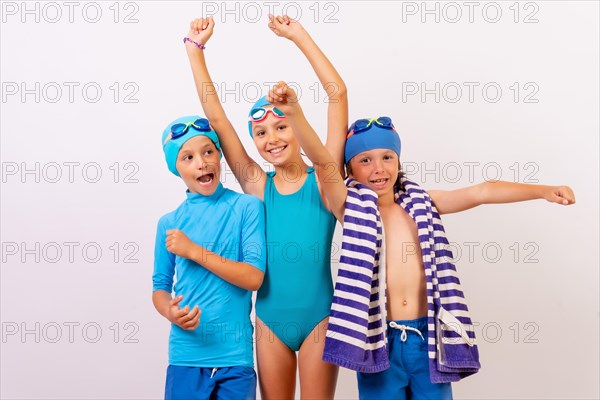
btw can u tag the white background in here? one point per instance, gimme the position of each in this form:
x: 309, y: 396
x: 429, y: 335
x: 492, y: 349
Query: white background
x: 74, y: 328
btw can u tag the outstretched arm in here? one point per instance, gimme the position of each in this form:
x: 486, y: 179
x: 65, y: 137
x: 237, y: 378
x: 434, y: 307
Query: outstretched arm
x: 248, y: 173
x: 332, y: 184
x: 337, y: 109
x: 498, y: 192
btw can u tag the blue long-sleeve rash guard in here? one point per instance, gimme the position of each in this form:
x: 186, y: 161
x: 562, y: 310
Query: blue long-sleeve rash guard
x: 229, y: 224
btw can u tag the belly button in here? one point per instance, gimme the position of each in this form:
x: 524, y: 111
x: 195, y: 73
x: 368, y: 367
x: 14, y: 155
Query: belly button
x: 405, y: 302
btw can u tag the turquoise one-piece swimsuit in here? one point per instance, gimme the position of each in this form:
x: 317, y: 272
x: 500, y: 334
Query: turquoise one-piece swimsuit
x: 297, y: 290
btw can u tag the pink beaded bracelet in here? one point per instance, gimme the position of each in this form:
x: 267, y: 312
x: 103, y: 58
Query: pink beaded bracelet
x: 199, y: 45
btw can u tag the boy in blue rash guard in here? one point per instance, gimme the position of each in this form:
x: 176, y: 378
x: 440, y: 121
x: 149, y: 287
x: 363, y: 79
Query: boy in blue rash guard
x: 214, y: 244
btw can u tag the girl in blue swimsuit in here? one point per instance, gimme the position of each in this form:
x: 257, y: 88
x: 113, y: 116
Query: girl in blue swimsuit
x: 293, y: 303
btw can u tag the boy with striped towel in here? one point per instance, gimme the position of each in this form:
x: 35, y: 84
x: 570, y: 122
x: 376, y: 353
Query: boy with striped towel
x: 398, y: 317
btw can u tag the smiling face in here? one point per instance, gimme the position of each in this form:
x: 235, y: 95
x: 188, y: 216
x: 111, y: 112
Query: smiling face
x: 199, y: 166
x: 377, y: 168
x: 275, y: 140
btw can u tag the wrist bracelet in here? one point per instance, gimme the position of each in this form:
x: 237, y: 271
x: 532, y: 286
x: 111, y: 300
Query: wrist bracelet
x: 199, y: 45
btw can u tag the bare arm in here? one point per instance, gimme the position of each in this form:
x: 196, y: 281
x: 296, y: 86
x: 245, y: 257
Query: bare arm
x: 332, y: 82
x: 237, y: 273
x: 248, y: 173
x: 498, y: 192
x: 284, y: 98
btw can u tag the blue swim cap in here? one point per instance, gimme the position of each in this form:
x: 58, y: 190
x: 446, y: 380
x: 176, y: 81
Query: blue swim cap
x: 259, y: 103
x: 374, y: 137
x: 171, y: 146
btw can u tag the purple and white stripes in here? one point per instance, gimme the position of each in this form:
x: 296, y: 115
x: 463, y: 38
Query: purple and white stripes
x: 356, y: 334
x: 453, y: 353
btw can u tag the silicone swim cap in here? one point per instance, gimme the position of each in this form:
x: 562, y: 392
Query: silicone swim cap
x: 374, y: 136
x: 262, y: 102
x: 171, y: 146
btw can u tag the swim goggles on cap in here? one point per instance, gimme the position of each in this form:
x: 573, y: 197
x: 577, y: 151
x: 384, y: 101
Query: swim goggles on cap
x: 365, y: 124
x: 260, y: 113
x: 201, y: 124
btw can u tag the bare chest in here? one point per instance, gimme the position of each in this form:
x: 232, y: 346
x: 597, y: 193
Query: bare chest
x: 405, y: 277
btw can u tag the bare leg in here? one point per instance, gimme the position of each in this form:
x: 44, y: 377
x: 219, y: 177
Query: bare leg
x: 318, y: 378
x: 276, y: 365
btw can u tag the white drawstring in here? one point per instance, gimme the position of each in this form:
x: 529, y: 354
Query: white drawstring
x: 405, y: 328
x: 213, y: 373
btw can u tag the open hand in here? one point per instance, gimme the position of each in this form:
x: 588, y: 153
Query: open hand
x: 183, y: 317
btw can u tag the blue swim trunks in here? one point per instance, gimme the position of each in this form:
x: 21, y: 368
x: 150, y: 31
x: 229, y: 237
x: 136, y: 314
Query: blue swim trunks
x: 408, y: 375
x: 195, y: 383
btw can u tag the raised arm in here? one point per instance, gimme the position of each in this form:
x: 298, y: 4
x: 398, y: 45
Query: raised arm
x: 248, y: 173
x: 331, y: 182
x: 334, y: 86
x: 498, y: 192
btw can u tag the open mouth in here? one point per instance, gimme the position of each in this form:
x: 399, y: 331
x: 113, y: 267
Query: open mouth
x: 206, y: 179
x: 277, y: 150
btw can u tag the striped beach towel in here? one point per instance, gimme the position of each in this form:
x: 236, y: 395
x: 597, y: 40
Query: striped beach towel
x: 356, y: 333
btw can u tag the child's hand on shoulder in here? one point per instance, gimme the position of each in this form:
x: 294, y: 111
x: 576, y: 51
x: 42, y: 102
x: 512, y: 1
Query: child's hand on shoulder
x: 284, y: 98
x: 179, y: 244
x: 559, y: 194
x: 201, y: 29
x: 284, y: 26
x: 183, y: 317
